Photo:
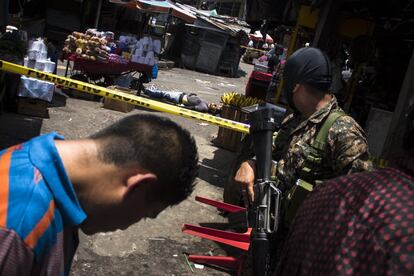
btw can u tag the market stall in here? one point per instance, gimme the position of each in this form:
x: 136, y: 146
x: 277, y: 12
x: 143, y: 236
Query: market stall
x: 97, y: 57
x: 257, y: 46
x: 105, y: 73
x: 158, y: 6
x: 108, y: 68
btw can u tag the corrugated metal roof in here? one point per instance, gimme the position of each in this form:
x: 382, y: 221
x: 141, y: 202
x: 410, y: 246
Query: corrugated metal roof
x: 226, y: 23
x: 157, y: 6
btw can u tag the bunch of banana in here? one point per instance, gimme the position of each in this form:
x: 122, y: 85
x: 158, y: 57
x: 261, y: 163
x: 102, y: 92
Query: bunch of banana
x: 228, y: 98
x: 237, y: 100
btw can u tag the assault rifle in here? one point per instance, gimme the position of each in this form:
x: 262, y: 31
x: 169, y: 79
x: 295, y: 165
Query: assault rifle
x: 266, y: 207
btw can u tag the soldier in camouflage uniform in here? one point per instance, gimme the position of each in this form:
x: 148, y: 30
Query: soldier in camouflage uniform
x: 361, y: 224
x: 307, y: 79
x: 346, y: 151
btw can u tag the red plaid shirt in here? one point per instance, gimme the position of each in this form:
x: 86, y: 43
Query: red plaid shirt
x: 361, y: 224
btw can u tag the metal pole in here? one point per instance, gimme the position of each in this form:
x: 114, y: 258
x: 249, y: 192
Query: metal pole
x: 98, y: 14
x: 292, y: 45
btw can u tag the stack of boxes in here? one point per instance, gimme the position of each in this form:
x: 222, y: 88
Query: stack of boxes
x: 34, y: 94
x: 146, y: 51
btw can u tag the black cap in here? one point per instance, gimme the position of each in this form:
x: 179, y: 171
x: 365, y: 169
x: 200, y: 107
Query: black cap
x: 306, y: 66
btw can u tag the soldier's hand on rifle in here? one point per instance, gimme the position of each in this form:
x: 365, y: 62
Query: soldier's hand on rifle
x: 245, y: 177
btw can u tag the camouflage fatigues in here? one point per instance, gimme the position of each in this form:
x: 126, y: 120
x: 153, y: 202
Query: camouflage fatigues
x: 346, y: 150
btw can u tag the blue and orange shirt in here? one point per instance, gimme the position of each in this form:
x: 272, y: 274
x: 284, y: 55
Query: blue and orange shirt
x: 39, y: 210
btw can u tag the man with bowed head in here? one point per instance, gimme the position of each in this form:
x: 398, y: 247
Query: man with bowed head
x: 50, y: 187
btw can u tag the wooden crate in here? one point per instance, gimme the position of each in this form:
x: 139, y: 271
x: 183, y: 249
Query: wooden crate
x: 226, y: 138
x: 82, y: 95
x: 118, y: 105
x: 32, y: 107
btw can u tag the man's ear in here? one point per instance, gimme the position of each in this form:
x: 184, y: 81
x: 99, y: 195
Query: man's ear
x: 296, y: 88
x: 140, y: 179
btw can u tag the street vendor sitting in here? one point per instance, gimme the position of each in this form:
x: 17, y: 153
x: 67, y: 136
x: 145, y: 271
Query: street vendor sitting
x: 191, y: 101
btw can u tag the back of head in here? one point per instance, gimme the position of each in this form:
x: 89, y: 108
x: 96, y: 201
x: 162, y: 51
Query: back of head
x: 306, y: 66
x: 156, y: 144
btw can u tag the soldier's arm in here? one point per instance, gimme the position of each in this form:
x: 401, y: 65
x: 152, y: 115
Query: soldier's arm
x: 349, y: 147
x: 282, y: 137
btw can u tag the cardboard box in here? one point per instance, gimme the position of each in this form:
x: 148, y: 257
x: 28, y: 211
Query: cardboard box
x: 118, y: 105
x: 227, y: 138
x: 82, y: 95
x: 32, y: 107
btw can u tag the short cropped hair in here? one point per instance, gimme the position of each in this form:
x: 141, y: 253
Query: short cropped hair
x: 156, y: 144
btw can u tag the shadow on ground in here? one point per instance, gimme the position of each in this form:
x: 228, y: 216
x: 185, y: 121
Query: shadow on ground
x: 164, y: 257
x: 16, y: 129
x: 241, y: 73
x: 230, y: 250
x: 59, y: 99
x: 216, y: 170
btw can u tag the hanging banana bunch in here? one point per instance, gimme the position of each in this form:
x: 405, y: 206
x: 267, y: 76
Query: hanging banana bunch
x: 238, y: 100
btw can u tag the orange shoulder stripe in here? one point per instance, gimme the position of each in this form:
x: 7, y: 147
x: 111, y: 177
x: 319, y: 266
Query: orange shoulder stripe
x: 41, y: 226
x: 5, y: 160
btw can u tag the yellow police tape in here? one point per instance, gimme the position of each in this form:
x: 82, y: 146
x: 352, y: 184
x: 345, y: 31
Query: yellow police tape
x: 123, y: 97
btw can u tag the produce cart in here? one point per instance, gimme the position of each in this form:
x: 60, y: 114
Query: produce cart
x: 97, y: 58
x: 105, y: 72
